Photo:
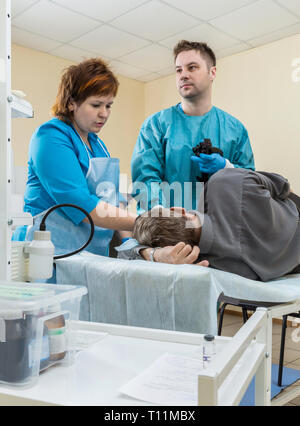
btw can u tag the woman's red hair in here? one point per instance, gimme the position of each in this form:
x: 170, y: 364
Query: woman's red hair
x: 91, y: 77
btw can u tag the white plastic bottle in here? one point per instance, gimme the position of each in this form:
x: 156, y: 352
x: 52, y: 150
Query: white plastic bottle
x: 41, y: 252
x: 209, y: 349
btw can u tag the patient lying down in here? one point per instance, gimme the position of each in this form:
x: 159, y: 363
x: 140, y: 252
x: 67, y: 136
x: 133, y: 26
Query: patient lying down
x: 248, y: 225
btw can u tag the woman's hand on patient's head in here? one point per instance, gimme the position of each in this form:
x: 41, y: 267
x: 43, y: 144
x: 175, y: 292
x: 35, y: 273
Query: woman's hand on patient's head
x: 180, y: 254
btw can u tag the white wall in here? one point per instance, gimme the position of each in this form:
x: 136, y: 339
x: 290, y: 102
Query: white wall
x: 38, y: 75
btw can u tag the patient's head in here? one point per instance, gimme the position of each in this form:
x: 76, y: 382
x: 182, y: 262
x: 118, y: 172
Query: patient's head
x: 162, y: 227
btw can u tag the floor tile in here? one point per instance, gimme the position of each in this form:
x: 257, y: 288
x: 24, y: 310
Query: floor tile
x: 231, y: 319
x: 296, y: 401
x: 230, y: 330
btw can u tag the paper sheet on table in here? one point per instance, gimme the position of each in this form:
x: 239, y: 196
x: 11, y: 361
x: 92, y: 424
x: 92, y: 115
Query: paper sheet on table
x: 170, y: 380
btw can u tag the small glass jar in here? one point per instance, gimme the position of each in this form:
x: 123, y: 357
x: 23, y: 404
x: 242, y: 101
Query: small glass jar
x: 209, y: 349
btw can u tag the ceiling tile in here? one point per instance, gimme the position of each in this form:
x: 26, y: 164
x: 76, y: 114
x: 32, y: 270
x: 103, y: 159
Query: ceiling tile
x: 72, y: 53
x: 167, y: 71
x: 257, y: 19
x: 123, y: 30
x: 104, y: 10
x: 154, y: 21
x: 152, y: 58
x: 292, y: 5
x: 18, y: 6
x: 126, y: 70
x: 203, y: 33
x: 277, y: 35
x: 109, y: 42
x: 208, y: 9
x: 33, y: 41
x: 50, y: 20
x: 229, y: 51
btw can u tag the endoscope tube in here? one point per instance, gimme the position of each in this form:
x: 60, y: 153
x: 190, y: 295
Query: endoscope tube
x: 43, y: 228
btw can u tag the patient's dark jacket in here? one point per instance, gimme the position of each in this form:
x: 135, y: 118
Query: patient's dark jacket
x: 250, y: 225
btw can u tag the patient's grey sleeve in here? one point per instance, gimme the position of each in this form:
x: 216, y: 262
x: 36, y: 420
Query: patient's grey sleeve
x: 250, y: 227
x: 130, y: 250
x: 277, y: 185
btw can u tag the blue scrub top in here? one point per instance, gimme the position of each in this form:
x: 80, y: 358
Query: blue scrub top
x: 57, y: 166
x: 164, y: 148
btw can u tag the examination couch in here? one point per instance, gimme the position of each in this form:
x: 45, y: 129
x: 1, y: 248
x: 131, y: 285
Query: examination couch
x: 163, y: 296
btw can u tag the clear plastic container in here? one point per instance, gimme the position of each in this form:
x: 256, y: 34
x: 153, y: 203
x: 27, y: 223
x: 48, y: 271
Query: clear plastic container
x: 34, y: 329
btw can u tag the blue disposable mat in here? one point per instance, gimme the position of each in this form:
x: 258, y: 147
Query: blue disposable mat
x: 289, y: 376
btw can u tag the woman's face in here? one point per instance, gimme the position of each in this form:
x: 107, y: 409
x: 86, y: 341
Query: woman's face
x: 92, y: 114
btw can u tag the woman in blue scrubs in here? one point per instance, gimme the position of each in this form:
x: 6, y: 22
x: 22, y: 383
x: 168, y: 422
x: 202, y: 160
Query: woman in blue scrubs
x: 68, y: 163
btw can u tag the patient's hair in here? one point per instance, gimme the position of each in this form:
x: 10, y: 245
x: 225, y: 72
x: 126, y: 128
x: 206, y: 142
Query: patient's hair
x: 91, y: 77
x: 157, y: 230
x: 206, y: 52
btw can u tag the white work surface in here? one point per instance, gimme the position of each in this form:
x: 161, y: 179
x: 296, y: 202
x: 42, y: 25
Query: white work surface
x: 100, y: 370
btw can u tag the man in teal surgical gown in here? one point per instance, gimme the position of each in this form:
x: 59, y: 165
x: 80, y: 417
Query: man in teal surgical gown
x: 163, y: 152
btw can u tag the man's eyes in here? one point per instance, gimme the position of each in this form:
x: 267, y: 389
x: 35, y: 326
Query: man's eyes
x: 190, y: 68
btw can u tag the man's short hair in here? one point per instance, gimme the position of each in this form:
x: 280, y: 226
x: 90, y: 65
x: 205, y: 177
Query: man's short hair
x: 202, y: 48
x: 161, y: 230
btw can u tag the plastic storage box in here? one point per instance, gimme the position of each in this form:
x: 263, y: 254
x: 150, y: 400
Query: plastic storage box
x: 34, y: 329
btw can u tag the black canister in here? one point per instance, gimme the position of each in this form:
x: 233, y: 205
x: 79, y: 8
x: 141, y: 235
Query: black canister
x: 14, y: 340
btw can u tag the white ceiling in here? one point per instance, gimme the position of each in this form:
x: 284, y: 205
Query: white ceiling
x: 137, y: 36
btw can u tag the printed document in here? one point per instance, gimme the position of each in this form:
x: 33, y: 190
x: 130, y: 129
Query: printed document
x: 170, y: 380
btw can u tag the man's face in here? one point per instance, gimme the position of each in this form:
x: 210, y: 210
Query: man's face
x: 193, y: 76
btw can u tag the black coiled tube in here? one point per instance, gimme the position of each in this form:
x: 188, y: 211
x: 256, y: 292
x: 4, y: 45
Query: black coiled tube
x: 43, y: 228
